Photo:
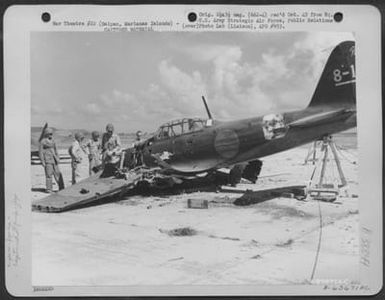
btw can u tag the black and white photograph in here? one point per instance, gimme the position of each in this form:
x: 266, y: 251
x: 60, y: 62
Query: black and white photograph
x: 194, y: 158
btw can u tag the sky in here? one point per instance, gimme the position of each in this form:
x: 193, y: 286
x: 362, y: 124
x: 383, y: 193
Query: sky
x: 139, y: 80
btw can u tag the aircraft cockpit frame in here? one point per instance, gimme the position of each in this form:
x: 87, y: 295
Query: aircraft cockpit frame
x: 180, y: 127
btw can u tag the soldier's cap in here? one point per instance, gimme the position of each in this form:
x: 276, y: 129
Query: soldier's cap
x: 79, y: 136
x: 95, y: 134
x: 110, y: 127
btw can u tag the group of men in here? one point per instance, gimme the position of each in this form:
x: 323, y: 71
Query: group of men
x: 108, y: 150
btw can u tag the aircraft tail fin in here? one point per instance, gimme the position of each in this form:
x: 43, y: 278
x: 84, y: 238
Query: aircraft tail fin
x: 337, y: 85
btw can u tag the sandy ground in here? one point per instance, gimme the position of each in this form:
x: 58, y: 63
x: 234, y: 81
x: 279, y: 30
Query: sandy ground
x: 274, y: 242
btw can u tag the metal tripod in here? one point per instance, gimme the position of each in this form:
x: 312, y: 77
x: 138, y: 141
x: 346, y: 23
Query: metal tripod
x: 328, y: 145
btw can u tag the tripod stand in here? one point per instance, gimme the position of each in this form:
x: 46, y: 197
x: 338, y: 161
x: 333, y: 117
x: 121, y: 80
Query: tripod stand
x: 328, y: 146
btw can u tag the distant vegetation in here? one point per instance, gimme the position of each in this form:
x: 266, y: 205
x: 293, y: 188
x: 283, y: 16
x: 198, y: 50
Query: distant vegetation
x: 65, y: 137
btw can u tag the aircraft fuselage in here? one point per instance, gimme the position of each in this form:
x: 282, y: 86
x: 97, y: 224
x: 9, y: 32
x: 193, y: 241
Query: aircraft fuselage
x: 229, y: 143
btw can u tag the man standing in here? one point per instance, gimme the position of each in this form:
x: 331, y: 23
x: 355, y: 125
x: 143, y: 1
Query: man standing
x: 111, y: 149
x: 50, y: 160
x: 94, y: 152
x: 111, y: 145
x: 75, y: 151
x: 138, y: 148
x: 138, y: 138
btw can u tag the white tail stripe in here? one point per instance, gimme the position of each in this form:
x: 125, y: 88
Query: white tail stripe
x: 345, y: 82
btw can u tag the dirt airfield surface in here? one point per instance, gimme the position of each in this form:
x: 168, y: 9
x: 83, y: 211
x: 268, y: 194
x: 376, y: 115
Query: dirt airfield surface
x: 158, y: 240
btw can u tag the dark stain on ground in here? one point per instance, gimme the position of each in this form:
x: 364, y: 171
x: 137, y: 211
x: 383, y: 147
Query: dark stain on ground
x: 277, y: 211
x: 183, y: 231
x: 224, y: 237
x: 285, y: 244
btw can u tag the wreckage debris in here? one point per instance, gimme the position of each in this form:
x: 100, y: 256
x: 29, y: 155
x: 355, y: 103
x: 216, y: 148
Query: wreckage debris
x: 325, y: 198
x: 197, y: 203
x: 287, y: 195
x: 254, y: 197
x: 89, y: 191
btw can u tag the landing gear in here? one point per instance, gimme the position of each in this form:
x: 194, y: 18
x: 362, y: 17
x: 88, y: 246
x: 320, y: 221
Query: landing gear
x: 249, y: 171
x: 235, y: 174
x: 252, y: 170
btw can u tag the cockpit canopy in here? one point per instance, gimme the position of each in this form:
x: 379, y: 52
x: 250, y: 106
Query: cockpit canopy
x: 179, y: 127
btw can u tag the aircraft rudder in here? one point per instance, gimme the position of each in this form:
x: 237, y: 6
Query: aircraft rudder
x: 337, y: 85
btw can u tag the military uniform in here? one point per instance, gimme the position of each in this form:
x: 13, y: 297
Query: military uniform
x: 138, y: 151
x: 75, y: 151
x: 50, y: 160
x: 94, y: 154
x: 110, y: 143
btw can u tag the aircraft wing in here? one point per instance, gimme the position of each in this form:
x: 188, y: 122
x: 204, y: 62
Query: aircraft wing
x: 162, y: 163
x: 88, y: 191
